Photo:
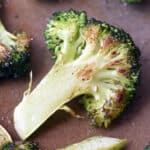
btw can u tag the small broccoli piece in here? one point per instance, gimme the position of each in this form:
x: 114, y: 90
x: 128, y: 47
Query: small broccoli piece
x: 131, y: 1
x: 93, y: 59
x: 98, y: 143
x: 14, y: 54
x: 147, y: 147
x: 19, y: 146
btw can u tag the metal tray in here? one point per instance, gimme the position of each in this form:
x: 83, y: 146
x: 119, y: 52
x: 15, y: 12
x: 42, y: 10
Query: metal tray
x: 61, y: 129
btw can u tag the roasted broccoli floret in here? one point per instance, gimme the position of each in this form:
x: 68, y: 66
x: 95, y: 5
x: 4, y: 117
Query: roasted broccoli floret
x: 19, y: 146
x: 147, y: 147
x: 93, y: 59
x: 131, y: 1
x: 97, y: 143
x: 14, y: 53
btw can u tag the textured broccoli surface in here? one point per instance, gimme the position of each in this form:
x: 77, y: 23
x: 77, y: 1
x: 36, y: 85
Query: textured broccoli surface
x: 131, y: 1
x: 93, y: 59
x: 14, y: 53
x: 19, y: 146
x: 97, y: 143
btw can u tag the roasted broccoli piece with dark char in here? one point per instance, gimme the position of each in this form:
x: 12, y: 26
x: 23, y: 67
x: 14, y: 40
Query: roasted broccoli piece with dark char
x: 94, y: 60
x: 14, y: 53
x: 118, y: 77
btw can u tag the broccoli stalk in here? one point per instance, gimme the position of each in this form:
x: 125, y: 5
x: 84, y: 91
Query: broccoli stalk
x: 93, y: 59
x: 14, y: 54
x: 97, y: 143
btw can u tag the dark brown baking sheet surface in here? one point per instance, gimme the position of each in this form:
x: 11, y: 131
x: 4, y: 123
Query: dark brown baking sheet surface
x: 61, y: 129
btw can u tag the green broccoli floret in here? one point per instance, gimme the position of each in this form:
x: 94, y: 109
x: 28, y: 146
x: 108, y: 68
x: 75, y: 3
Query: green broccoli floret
x: 14, y: 53
x: 19, y: 146
x: 147, y: 147
x: 131, y: 1
x: 93, y: 59
x: 97, y: 143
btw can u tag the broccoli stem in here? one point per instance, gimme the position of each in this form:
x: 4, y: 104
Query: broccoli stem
x: 38, y: 106
x: 6, y: 37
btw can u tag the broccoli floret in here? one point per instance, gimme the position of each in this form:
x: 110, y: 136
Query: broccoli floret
x: 62, y: 31
x: 131, y: 1
x: 147, y: 147
x: 93, y: 59
x: 97, y: 142
x: 14, y: 53
x: 19, y: 146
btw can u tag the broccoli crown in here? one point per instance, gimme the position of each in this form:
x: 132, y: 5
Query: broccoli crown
x: 106, y: 59
x: 131, y: 1
x: 14, y: 53
x: 19, y: 146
